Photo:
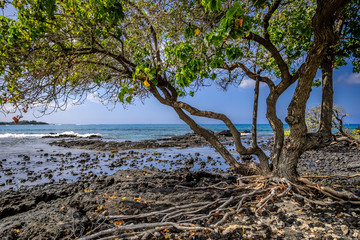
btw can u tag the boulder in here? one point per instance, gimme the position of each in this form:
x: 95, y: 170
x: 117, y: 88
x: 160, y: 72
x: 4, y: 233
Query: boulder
x: 225, y: 133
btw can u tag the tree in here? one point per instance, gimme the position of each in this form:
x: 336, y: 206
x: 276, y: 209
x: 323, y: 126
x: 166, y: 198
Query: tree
x: 59, y: 51
x: 313, y: 116
x: 346, y: 46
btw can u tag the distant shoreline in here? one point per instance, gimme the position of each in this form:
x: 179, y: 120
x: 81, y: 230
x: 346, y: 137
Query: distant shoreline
x: 25, y: 122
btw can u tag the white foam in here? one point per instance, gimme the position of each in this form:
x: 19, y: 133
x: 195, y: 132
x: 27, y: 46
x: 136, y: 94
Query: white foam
x: 245, y: 134
x: 40, y: 135
x: 21, y: 135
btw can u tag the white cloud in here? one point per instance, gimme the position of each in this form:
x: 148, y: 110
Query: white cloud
x: 354, y: 78
x: 249, y: 83
x: 8, y: 107
x: 93, y: 97
x: 49, y: 107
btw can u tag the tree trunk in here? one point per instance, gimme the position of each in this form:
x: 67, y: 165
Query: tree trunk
x: 263, y: 159
x: 327, y: 97
x: 324, y: 38
x: 286, y: 166
x: 276, y: 125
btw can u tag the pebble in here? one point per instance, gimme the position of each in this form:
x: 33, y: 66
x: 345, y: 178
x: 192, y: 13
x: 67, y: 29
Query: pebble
x: 344, y: 229
x: 356, y: 234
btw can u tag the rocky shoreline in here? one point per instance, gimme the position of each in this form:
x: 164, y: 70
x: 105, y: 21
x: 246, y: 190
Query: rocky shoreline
x: 184, y: 141
x: 60, y: 210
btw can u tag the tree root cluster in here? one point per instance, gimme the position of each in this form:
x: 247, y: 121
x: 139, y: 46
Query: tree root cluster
x: 210, y: 216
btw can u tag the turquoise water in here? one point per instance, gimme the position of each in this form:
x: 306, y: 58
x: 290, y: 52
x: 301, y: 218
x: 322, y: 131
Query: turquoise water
x: 121, y: 132
x: 117, y: 131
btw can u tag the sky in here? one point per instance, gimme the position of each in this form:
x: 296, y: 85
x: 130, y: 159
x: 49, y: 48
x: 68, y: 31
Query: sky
x: 236, y: 103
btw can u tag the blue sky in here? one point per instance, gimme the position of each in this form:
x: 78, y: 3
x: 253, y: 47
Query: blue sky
x: 236, y: 103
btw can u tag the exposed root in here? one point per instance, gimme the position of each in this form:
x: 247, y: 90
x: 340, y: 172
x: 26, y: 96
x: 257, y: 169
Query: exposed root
x: 210, y: 216
x: 184, y: 226
x: 215, y: 186
x: 349, y: 139
x: 343, y: 195
x: 335, y: 175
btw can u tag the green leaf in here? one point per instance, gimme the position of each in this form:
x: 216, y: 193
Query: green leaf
x: 154, y: 81
x: 231, y: 12
x: 316, y: 83
x: 190, y: 31
x: 213, y: 5
x: 213, y: 76
x: 122, y: 94
x: 234, y: 52
x: 97, y: 81
x: 128, y: 99
x: 146, y: 70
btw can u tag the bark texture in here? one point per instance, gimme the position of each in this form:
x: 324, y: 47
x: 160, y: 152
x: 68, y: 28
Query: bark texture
x: 324, y: 38
x: 327, y: 96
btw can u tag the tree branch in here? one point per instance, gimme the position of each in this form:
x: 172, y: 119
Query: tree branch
x: 104, y: 64
x: 196, y: 112
x: 267, y: 17
x: 249, y: 73
x: 285, y: 74
x: 255, y: 112
x: 245, y: 169
x: 152, y: 30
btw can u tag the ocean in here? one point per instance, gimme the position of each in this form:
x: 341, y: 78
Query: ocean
x: 120, y: 132
x: 27, y: 159
x: 16, y: 138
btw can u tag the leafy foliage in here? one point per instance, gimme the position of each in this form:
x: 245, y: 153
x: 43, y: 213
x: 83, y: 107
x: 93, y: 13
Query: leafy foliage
x: 349, y: 47
x: 57, y: 51
x: 81, y: 47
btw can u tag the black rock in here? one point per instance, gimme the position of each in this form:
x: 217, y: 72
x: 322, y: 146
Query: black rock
x: 189, y: 163
x: 225, y: 133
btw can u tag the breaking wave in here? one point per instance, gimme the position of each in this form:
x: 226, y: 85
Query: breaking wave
x: 40, y: 135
